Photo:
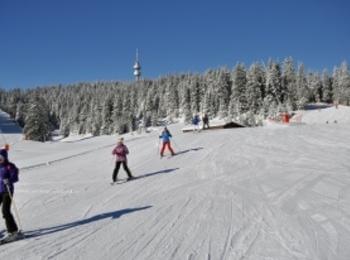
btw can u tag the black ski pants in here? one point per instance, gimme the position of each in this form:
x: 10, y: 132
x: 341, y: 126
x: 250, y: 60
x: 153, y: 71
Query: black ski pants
x: 117, y: 167
x: 5, y: 200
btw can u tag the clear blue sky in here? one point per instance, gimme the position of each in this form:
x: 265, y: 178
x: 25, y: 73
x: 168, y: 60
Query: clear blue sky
x: 45, y: 42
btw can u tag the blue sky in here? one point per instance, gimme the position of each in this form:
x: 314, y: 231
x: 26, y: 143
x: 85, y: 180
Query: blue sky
x: 46, y: 42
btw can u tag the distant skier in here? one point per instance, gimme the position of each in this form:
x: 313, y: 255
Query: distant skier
x: 121, y: 151
x: 165, y: 136
x: 7, y: 180
x: 205, y: 121
x: 195, y: 122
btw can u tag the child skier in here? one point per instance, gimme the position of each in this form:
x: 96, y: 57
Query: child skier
x: 165, y: 136
x: 6, y: 193
x: 120, y: 151
x: 195, y: 122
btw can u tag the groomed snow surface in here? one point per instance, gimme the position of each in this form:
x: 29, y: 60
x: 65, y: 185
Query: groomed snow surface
x: 247, y: 193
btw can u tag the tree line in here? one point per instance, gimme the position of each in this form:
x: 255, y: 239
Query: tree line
x: 244, y: 94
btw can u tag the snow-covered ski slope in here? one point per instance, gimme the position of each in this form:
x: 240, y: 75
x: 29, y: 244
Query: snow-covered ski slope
x: 246, y: 193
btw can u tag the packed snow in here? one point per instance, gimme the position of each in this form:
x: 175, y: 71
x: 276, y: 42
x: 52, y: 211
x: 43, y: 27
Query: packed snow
x: 245, y: 193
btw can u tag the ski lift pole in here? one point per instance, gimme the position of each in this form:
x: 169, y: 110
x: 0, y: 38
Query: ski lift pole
x: 14, y: 206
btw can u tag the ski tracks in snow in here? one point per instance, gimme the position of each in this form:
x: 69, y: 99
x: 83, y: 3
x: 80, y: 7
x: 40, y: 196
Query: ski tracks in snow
x: 233, y: 199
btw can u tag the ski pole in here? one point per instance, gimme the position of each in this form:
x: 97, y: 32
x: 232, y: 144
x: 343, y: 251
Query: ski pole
x: 175, y: 144
x: 158, y: 146
x: 14, y: 206
x: 112, y: 159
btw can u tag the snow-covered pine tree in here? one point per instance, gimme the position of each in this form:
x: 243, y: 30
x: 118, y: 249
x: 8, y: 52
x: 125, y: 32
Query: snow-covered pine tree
x: 37, y: 121
x: 171, y: 97
x: 196, y: 93
x: 238, y: 99
x: 327, y: 87
x: 92, y: 121
x: 161, y: 101
x: 13, y: 99
x: 274, y: 91
x: 289, y: 83
x: 344, y: 84
x: 84, y: 114
x: 209, y: 103
x: 186, y: 105
x: 20, y: 113
x: 302, y: 88
x: 107, y: 113
x: 149, y: 106
x: 223, y: 85
x: 315, y: 87
x: 156, y: 105
x: 255, y: 86
x: 62, y: 113
x: 117, y: 111
x: 126, y: 122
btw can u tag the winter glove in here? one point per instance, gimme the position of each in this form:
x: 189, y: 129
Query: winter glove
x: 6, y: 181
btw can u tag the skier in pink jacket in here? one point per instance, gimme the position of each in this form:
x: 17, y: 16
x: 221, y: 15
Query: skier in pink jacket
x: 120, y: 151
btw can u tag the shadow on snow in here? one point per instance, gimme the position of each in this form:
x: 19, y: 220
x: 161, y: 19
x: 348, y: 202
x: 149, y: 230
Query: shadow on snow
x: 189, y: 150
x: 59, y: 228
x: 156, y: 173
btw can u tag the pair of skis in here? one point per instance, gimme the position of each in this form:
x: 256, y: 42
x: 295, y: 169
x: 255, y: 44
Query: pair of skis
x: 121, y: 181
x: 19, y: 236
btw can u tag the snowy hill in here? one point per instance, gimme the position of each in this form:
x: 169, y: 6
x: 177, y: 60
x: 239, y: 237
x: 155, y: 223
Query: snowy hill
x: 246, y: 193
x: 330, y: 115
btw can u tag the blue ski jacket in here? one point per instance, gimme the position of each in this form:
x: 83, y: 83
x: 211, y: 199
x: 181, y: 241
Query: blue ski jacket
x: 165, y: 136
x: 195, y: 120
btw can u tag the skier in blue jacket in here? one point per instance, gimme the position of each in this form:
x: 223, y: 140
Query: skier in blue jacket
x: 195, y: 122
x: 165, y: 136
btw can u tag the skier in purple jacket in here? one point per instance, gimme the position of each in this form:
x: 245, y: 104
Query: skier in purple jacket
x: 120, y: 151
x: 7, y: 187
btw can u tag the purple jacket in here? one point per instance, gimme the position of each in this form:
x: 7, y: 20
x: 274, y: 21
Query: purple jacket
x: 5, y: 174
x: 121, y: 151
